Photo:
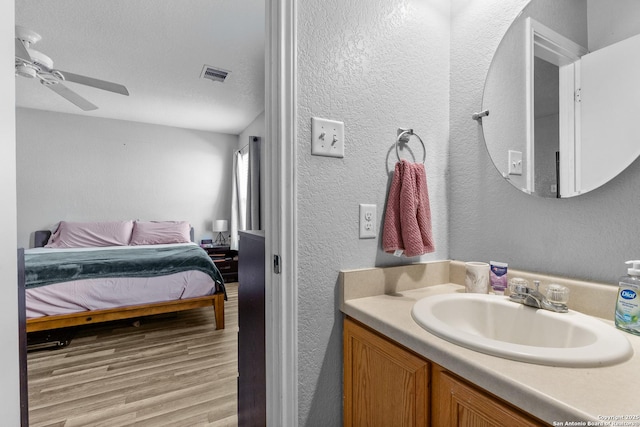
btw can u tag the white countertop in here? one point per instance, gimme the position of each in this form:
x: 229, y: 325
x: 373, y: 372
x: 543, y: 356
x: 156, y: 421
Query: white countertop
x: 550, y: 393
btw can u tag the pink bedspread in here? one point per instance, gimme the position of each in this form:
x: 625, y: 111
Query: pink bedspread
x: 96, y: 294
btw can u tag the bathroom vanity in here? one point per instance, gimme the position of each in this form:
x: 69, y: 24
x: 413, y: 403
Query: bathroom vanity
x: 386, y: 384
x: 397, y: 372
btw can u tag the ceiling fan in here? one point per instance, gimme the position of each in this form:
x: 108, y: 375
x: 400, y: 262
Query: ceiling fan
x: 31, y: 63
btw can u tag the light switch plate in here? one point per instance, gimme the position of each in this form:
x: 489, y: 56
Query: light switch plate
x: 515, y: 162
x: 327, y: 137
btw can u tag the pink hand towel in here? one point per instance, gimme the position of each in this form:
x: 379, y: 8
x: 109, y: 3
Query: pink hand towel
x: 407, y: 224
x: 391, y: 231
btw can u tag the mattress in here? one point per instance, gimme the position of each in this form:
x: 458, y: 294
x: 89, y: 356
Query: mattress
x: 111, y: 292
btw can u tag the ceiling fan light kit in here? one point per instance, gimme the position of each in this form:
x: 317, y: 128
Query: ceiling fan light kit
x: 31, y: 63
x: 25, y: 70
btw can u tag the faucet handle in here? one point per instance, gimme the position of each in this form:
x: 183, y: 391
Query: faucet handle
x: 518, y: 286
x: 557, y: 294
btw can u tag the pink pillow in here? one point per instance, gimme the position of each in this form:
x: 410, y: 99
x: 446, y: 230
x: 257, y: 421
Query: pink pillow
x: 91, y: 234
x: 159, y: 232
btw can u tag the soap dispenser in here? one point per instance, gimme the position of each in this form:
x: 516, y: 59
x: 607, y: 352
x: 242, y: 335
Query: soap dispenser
x: 627, y: 316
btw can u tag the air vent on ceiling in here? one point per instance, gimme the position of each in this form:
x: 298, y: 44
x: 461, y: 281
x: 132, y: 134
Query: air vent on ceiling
x: 215, y: 74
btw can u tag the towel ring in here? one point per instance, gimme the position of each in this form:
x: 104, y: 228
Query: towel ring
x: 403, y: 136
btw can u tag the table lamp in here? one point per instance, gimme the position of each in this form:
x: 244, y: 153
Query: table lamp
x: 220, y: 225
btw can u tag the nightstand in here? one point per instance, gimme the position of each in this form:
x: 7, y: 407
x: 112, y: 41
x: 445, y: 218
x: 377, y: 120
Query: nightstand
x: 226, y: 260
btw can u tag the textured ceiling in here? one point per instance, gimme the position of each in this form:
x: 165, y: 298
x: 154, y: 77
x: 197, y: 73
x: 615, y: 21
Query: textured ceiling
x: 157, y: 49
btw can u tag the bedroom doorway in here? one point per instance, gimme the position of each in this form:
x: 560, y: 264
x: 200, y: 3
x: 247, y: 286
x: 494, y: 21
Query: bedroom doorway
x: 280, y: 212
x: 279, y: 208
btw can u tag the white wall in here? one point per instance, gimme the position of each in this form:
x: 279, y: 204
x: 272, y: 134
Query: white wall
x: 76, y: 168
x: 376, y: 65
x: 255, y: 128
x: 608, y: 25
x: 9, y: 391
x: 587, y: 237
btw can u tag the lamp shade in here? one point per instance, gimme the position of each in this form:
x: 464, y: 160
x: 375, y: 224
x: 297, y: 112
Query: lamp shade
x: 220, y: 225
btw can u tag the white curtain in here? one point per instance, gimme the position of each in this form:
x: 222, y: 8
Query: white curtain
x: 246, y: 191
x: 239, y: 195
x: 253, y: 185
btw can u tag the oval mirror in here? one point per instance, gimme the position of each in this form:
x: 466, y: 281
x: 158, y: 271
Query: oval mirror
x: 561, y: 94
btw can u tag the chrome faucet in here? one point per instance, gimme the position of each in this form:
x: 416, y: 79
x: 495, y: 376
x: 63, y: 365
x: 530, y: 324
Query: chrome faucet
x: 555, y: 300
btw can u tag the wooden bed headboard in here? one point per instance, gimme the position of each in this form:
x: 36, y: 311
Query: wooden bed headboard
x: 41, y: 237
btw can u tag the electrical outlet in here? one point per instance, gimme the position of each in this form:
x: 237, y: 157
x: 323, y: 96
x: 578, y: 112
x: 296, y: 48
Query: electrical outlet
x: 327, y: 137
x: 368, y: 219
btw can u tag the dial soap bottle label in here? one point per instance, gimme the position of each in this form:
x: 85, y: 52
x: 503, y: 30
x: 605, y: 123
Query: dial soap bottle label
x: 628, y: 303
x: 628, y: 308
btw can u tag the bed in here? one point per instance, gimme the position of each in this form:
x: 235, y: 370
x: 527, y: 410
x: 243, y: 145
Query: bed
x: 86, y: 273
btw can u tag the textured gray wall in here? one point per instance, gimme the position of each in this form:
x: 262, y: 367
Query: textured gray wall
x: 587, y: 237
x: 382, y: 64
x: 376, y: 65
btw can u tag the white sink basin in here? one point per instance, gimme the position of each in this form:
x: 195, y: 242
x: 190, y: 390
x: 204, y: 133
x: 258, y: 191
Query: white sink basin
x: 494, y: 325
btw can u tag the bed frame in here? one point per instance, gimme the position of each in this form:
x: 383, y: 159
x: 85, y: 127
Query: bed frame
x: 44, y: 323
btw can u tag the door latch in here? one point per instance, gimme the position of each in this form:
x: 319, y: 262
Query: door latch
x: 276, y: 264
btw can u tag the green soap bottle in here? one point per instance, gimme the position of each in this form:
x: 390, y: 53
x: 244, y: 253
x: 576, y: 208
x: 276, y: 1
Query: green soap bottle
x: 627, y: 316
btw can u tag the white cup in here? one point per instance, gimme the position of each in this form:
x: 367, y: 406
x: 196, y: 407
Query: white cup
x: 477, y: 277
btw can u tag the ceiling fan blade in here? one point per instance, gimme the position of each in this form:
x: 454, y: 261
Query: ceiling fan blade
x: 21, y: 51
x: 90, y: 81
x: 71, y: 96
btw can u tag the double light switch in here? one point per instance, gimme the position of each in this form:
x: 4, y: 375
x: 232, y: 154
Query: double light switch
x: 327, y: 137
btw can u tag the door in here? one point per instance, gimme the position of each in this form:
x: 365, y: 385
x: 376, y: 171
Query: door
x: 609, y: 96
x: 384, y: 384
x: 457, y: 404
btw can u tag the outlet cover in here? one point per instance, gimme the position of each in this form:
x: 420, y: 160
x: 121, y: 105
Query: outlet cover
x: 368, y: 221
x: 327, y: 137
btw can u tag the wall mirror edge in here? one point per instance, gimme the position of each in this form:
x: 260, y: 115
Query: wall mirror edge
x: 512, y: 126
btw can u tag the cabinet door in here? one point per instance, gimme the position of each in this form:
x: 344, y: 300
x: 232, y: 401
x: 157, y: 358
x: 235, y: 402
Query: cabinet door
x: 455, y: 403
x: 384, y: 384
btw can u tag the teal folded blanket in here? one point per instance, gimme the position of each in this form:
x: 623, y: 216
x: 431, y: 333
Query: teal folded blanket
x: 43, y: 269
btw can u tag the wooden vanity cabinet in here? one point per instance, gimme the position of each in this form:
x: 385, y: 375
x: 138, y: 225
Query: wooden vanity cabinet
x: 384, y: 384
x: 388, y: 385
x: 457, y: 403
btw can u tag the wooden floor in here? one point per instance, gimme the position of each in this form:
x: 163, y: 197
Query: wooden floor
x: 173, y: 370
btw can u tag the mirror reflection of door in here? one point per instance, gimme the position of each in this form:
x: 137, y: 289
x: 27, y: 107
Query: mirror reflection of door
x: 592, y: 136
x: 547, y: 127
x: 552, y: 85
x: 608, y: 140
